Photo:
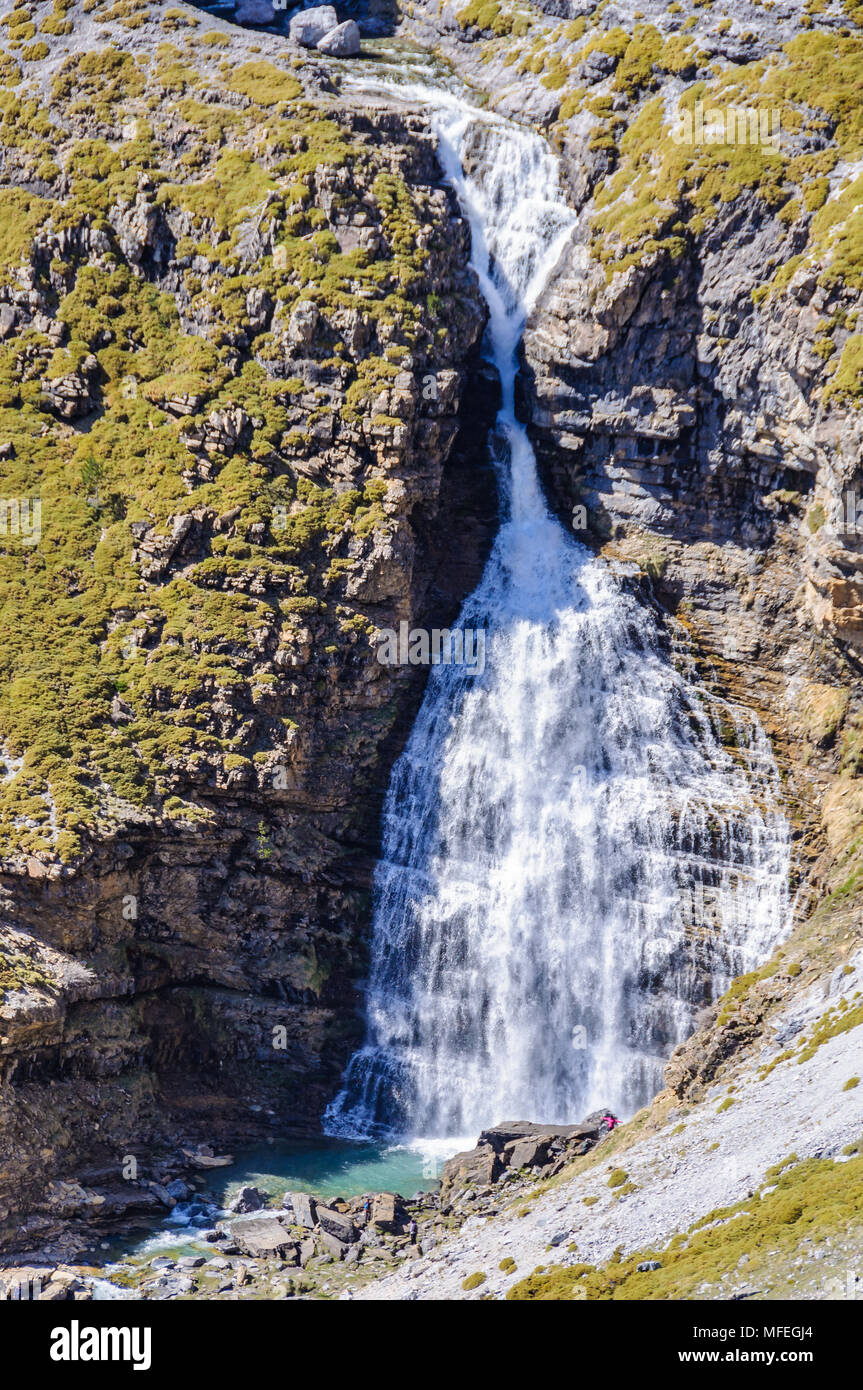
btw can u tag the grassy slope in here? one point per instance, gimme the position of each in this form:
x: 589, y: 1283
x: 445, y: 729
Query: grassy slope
x: 80, y: 624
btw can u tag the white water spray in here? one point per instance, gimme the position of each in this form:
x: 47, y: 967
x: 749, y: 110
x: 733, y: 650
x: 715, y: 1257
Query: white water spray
x: 572, y: 861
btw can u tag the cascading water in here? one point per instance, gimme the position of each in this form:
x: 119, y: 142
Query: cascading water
x: 572, y: 861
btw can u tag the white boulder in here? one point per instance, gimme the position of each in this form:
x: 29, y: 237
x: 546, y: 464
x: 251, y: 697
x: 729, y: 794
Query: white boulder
x: 310, y: 26
x: 341, y: 42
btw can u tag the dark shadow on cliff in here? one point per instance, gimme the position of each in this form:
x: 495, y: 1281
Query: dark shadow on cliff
x: 643, y: 435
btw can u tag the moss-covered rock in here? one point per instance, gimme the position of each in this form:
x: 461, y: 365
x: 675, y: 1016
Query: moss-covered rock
x: 215, y: 321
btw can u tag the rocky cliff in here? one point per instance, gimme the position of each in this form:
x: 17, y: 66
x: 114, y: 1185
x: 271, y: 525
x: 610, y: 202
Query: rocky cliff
x: 236, y: 334
x: 236, y: 329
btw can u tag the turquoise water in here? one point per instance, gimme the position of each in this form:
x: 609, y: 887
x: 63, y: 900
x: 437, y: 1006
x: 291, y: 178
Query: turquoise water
x: 329, y: 1170
x: 326, y: 1168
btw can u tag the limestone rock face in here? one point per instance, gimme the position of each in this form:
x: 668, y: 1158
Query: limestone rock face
x: 223, y: 379
x: 341, y: 42
x: 252, y: 436
x: 303, y: 322
x: 73, y: 395
x: 692, y: 383
x: 310, y: 26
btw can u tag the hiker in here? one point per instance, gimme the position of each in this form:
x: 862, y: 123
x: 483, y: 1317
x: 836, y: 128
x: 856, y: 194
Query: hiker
x: 611, y: 1121
x: 412, y: 1231
x: 367, y: 1210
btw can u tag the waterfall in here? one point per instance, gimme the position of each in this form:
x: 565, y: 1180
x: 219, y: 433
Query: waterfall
x: 572, y: 860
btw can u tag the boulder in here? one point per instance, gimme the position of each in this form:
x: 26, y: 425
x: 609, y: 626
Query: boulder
x: 526, y: 1153
x: 304, y: 1208
x: 163, y: 1195
x: 174, y: 1287
x: 56, y: 1292
x: 338, y: 1224
x: 333, y: 1246
x: 595, y: 1121
x: 178, y: 1189
x: 376, y: 1252
x: 261, y: 1236
x: 515, y: 1144
x: 387, y: 1211
x: 499, y: 1136
x: 341, y: 42
x: 248, y: 1199
x: 481, y: 1166
x: 309, y: 26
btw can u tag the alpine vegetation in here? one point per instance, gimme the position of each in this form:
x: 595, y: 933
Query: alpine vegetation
x: 431, y: 726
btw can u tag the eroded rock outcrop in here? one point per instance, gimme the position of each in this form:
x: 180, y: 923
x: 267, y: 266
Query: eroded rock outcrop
x: 519, y: 1148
